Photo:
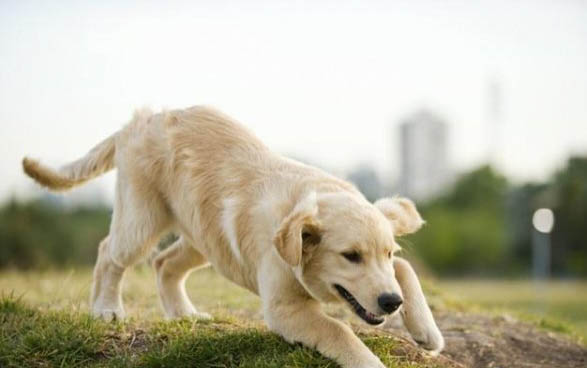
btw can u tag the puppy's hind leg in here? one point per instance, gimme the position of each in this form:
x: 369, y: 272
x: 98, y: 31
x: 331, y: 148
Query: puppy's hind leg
x: 137, y: 223
x: 173, y: 267
x: 106, y: 299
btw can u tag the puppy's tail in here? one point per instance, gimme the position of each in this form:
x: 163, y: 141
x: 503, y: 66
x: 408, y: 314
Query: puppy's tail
x: 99, y: 160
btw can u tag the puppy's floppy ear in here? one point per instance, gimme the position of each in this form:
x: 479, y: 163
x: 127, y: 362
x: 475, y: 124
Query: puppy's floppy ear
x: 299, y: 231
x: 402, y: 214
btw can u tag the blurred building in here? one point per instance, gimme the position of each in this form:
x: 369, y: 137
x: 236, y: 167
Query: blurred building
x: 366, y: 179
x: 425, y: 170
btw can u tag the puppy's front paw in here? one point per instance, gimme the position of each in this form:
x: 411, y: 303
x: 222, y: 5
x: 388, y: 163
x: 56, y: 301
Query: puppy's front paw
x: 433, y: 342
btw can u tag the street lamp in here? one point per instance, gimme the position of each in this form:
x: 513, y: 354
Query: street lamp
x: 543, y: 221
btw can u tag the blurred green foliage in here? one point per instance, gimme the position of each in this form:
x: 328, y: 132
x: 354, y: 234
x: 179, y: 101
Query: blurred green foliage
x: 465, y: 231
x: 568, y: 197
x: 483, y: 224
x: 480, y: 226
x: 39, y: 234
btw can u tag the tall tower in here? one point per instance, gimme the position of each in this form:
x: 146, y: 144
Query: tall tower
x: 425, y: 170
x: 493, y: 119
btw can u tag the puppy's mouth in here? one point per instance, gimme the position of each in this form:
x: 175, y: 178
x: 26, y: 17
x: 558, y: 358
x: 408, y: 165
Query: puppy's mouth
x: 367, y: 316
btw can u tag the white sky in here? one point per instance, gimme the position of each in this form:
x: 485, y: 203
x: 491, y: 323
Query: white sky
x: 326, y: 81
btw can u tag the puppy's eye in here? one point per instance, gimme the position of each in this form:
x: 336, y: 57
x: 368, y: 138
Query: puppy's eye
x: 353, y: 257
x: 389, y: 254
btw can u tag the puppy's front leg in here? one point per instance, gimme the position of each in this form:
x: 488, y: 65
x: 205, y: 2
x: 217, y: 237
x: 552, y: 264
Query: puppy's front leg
x: 415, y: 312
x: 303, y: 321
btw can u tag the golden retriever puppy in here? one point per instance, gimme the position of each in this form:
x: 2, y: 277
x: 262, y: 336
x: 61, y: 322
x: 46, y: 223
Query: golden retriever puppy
x: 291, y: 233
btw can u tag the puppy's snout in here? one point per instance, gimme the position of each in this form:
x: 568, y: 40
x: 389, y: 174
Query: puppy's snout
x: 389, y: 302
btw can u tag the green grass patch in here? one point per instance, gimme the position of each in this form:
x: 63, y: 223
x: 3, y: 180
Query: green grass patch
x: 58, y: 338
x: 47, y: 323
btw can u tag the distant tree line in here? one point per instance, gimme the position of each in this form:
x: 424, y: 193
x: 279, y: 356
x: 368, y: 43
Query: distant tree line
x: 481, y: 226
x: 40, y: 234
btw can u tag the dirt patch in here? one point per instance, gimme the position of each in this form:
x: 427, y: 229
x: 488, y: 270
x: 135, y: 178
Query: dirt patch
x: 481, y: 341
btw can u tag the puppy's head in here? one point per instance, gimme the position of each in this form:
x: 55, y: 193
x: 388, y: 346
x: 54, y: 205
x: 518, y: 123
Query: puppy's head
x: 341, y: 248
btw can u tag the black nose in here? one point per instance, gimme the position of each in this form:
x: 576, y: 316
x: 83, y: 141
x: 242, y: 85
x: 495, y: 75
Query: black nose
x: 389, y: 302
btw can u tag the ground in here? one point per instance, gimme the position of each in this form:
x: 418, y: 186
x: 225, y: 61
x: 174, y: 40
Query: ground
x: 477, y: 340
x: 45, y: 323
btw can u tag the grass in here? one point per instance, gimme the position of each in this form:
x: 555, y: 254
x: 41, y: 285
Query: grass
x: 45, y: 323
x: 70, y: 289
x: 30, y: 337
x: 58, y: 338
x: 559, y: 306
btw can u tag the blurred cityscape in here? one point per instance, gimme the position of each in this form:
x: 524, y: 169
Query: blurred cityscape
x: 483, y: 137
x: 479, y: 223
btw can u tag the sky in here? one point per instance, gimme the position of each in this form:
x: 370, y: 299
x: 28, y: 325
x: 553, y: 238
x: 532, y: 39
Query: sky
x: 324, y: 81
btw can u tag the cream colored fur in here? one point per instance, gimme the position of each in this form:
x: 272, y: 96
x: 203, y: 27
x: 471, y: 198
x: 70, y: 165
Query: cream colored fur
x: 272, y: 225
